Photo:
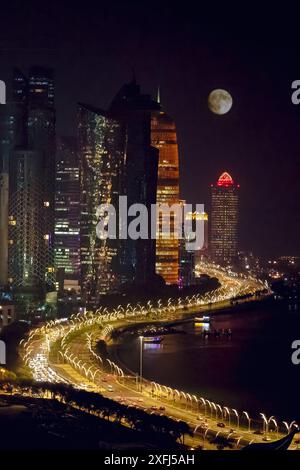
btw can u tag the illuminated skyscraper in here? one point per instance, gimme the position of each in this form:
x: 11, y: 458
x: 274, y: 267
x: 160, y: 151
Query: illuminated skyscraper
x: 28, y: 242
x: 186, y: 257
x: 224, y: 220
x: 12, y: 135
x: 32, y: 184
x: 67, y: 211
x: 203, y: 218
x: 116, y: 158
x: 164, y: 138
x: 101, y: 155
x: 41, y: 138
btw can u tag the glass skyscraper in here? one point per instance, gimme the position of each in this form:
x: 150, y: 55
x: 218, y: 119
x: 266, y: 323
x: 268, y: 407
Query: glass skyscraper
x: 129, y: 150
x: 32, y: 183
x: 134, y: 110
x: 28, y: 242
x: 101, y: 155
x: 67, y: 211
x: 12, y: 135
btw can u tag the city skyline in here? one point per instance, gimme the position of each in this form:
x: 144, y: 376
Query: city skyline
x: 29, y: 96
x: 149, y: 230
x: 252, y: 139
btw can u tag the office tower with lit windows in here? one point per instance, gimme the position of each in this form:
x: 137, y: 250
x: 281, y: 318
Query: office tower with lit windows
x: 202, y: 252
x: 224, y: 220
x: 41, y: 138
x: 129, y: 150
x: 188, y: 258
x: 12, y: 135
x: 3, y: 228
x: 116, y: 158
x: 28, y: 241
x: 101, y: 155
x: 32, y: 184
x: 67, y: 211
x: 164, y: 138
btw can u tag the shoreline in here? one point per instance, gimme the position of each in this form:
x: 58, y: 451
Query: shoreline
x: 204, y: 388
x: 114, y: 343
x: 187, y: 317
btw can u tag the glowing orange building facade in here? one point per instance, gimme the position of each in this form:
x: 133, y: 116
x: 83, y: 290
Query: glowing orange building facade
x: 163, y: 137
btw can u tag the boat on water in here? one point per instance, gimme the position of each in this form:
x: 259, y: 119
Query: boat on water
x: 203, y: 319
x: 153, y: 339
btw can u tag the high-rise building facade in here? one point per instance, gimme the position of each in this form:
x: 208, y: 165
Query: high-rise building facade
x: 28, y: 242
x: 224, y: 220
x: 12, y: 135
x: 164, y: 138
x: 129, y: 150
x: 32, y: 184
x: 134, y: 111
x: 67, y: 212
x: 200, y: 218
x: 41, y: 138
x: 101, y: 155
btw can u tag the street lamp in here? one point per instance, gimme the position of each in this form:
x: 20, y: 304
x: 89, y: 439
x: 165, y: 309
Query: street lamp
x: 141, y: 360
x: 220, y: 408
x: 289, y: 426
x: 210, y: 407
x: 215, y: 408
x: 265, y: 423
x: 228, y: 412
x: 248, y: 418
x: 204, y: 403
x: 272, y: 420
x: 237, y: 417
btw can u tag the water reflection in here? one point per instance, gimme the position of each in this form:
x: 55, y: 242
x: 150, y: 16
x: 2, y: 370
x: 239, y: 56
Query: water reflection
x: 250, y: 369
x: 152, y: 346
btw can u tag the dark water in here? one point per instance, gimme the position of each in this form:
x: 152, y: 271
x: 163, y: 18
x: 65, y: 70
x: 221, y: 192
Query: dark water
x: 253, y: 371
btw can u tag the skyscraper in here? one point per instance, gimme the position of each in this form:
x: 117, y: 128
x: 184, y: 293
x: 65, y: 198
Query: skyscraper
x: 31, y: 184
x: 28, y: 242
x: 67, y: 211
x: 116, y: 159
x: 224, y: 220
x: 186, y: 257
x: 164, y: 138
x: 134, y: 110
x: 41, y: 138
x: 203, y: 216
x: 12, y: 135
x: 126, y: 151
x: 101, y: 156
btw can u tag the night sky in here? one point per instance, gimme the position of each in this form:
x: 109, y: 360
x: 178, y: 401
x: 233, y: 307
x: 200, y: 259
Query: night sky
x: 188, y: 51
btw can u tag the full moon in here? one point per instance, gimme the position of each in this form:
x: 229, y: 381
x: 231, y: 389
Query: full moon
x: 219, y: 101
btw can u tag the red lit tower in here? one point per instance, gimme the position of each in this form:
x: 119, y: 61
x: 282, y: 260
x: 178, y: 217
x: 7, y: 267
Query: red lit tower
x: 224, y: 220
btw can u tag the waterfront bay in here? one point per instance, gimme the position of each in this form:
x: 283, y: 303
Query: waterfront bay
x: 250, y: 371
